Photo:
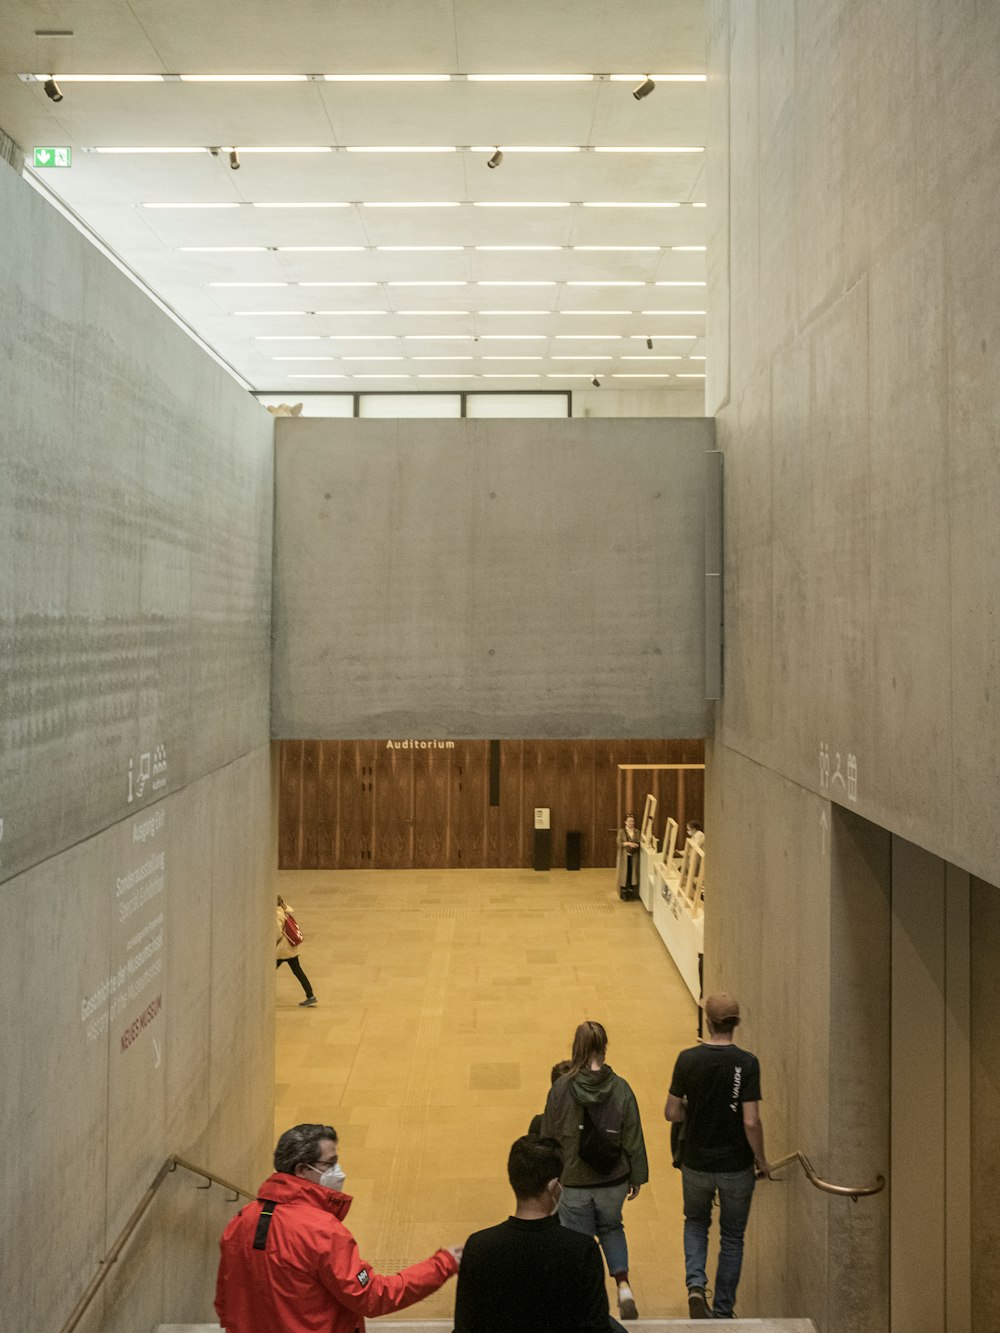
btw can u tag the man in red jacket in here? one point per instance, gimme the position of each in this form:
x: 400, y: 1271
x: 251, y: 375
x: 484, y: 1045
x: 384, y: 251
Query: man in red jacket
x: 289, y: 1265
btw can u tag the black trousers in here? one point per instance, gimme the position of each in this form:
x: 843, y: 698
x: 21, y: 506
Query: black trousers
x: 296, y: 967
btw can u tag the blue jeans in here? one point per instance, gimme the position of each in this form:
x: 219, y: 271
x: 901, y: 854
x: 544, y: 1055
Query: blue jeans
x: 735, y: 1191
x: 598, y: 1212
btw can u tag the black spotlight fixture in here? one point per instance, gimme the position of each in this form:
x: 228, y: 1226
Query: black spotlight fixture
x: 52, y: 89
x: 649, y: 344
x: 644, y: 89
x: 495, y: 160
x: 234, y: 159
x: 596, y: 382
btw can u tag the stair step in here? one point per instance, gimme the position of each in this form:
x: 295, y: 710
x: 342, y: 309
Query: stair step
x: 639, y: 1325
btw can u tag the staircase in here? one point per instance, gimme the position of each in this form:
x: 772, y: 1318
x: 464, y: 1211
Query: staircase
x: 638, y: 1325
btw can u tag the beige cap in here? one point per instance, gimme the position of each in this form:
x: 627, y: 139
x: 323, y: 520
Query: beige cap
x: 720, y: 1006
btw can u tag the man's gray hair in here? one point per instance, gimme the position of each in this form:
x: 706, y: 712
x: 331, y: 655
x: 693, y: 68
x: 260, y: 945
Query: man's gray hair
x: 299, y: 1146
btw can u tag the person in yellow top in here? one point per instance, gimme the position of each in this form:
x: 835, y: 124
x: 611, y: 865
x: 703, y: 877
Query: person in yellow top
x: 287, y: 952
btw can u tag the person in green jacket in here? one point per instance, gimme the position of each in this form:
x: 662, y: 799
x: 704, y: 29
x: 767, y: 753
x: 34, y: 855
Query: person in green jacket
x: 594, y: 1115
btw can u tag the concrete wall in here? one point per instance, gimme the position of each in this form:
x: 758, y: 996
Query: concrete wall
x: 489, y: 578
x: 135, y: 972
x: 854, y: 363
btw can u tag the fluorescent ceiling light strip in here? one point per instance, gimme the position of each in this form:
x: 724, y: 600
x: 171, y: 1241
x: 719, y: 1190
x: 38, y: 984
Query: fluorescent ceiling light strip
x: 229, y: 205
x: 305, y: 203
x: 583, y: 358
x: 260, y: 314
x: 433, y: 312
x: 361, y: 337
x: 427, y: 282
x: 530, y: 78
x: 652, y: 358
x: 603, y: 283
x: 412, y: 203
x: 517, y: 283
x: 373, y: 358
x: 520, y: 203
x: 123, y: 150
x: 690, y: 377
x: 659, y: 78
x: 417, y: 249
x: 589, y: 337
x: 442, y: 375
x: 515, y: 312
x: 337, y: 284
x: 567, y: 375
x: 513, y: 337
x: 635, y: 375
x: 396, y: 375
x: 402, y: 148
x: 518, y: 375
x: 438, y: 337
x: 243, y: 78
x: 222, y: 249
x: 442, y: 358
x: 617, y: 203
x: 303, y: 358
x: 624, y: 249
x: 286, y: 337
x: 318, y: 249
x: 526, y: 148
x: 249, y: 284
x: 296, y: 375
x: 666, y: 337
x: 265, y: 148
x: 522, y: 248
x: 513, y: 358
x: 595, y: 312
x: 101, y: 78
x: 696, y: 358
x: 386, y: 78
x: 350, y: 312
x: 699, y: 205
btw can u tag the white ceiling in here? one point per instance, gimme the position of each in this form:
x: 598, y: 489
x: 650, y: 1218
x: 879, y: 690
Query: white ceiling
x: 111, y: 193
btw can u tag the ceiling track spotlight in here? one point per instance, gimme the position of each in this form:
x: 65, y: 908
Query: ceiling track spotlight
x: 52, y: 89
x: 596, y: 382
x: 649, y: 344
x: 496, y: 159
x: 644, y: 89
x: 234, y: 159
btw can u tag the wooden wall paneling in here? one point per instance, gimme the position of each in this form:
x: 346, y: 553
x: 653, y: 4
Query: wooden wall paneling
x: 469, y: 799
x: 605, y: 819
x: 327, y: 797
x: 574, y: 783
x: 354, y: 826
x: 290, y: 818
x: 310, y: 755
x: 393, y: 809
x: 512, y: 843
x: 536, y: 790
x: 432, y: 813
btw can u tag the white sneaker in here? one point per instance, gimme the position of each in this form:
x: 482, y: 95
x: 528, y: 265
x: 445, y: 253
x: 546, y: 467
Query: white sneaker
x: 626, y: 1302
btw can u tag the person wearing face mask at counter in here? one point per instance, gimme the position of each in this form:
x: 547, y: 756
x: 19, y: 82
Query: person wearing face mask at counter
x: 288, y: 1263
x: 530, y: 1274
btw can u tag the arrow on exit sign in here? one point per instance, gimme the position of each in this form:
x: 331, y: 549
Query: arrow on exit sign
x: 53, y: 157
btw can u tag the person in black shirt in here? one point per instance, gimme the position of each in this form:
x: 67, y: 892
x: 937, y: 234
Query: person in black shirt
x: 715, y: 1092
x: 530, y: 1274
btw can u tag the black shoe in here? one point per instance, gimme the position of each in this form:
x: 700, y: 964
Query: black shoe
x: 308, y: 1002
x: 697, y: 1304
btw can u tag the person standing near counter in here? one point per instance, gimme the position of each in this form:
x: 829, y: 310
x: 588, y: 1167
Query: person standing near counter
x: 628, y: 861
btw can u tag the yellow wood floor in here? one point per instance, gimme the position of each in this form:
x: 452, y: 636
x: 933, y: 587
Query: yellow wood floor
x: 444, y: 999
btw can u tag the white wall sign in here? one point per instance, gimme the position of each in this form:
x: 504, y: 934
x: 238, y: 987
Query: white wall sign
x: 542, y: 816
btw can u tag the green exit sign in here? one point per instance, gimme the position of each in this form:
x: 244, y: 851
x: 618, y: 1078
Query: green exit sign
x: 53, y: 157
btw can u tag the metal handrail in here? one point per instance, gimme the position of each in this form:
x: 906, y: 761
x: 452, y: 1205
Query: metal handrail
x: 851, y: 1191
x: 170, y: 1164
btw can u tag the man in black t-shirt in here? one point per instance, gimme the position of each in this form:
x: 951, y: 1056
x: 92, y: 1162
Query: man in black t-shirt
x: 530, y: 1274
x: 715, y: 1093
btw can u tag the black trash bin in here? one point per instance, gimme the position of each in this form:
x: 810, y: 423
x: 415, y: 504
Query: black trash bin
x: 574, y: 839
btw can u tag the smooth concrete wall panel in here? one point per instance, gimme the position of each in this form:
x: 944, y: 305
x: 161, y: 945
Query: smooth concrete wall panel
x: 884, y: 400
x: 489, y: 579
x: 717, y: 202
x: 135, y: 518
x: 104, y: 1082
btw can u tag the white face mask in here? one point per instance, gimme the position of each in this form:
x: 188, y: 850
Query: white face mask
x: 332, y: 1178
